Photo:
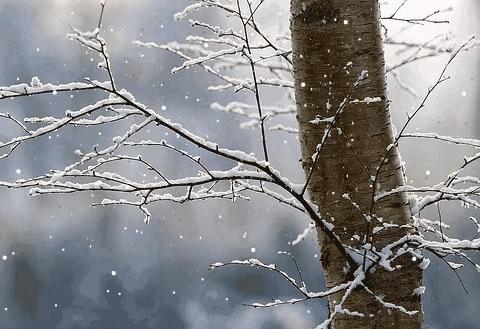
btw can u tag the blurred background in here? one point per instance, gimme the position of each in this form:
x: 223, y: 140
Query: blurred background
x: 59, y: 254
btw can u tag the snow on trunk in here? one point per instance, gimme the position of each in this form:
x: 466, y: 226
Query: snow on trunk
x: 338, y: 58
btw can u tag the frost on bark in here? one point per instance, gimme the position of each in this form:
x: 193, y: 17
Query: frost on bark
x: 334, y: 41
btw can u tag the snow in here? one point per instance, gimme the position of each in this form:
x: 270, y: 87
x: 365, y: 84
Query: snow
x: 449, y: 139
x: 367, y: 100
x: 319, y: 120
x: 36, y: 82
x: 424, y: 264
x: 36, y: 88
x: 455, y: 266
x: 280, y: 127
x: 181, y: 15
x: 304, y: 234
x: 214, y: 54
x: 419, y: 291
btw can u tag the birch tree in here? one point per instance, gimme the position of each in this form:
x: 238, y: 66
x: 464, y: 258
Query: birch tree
x: 374, y: 240
x: 349, y: 154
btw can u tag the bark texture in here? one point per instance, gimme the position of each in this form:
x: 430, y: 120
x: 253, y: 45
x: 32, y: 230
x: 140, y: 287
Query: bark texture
x: 333, y: 42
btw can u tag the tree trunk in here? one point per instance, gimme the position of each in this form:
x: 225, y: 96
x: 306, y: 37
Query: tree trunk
x: 333, y: 42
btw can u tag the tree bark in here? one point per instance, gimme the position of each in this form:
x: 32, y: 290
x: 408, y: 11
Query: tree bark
x: 333, y: 42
